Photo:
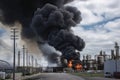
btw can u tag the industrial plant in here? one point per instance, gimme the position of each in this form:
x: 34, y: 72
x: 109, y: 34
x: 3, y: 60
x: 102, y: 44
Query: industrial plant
x: 108, y: 64
x: 87, y: 63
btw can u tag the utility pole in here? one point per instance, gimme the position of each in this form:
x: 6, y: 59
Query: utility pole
x: 24, y: 60
x: 29, y: 61
x: 36, y: 63
x: 14, y: 37
x: 32, y: 63
x: 27, y: 57
x: 18, y: 58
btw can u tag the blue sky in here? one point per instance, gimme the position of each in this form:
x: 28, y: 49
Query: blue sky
x: 1, y: 32
x: 100, y: 25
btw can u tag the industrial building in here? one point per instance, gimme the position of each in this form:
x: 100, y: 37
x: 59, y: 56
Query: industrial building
x: 109, y: 64
x: 98, y: 62
x: 95, y: 64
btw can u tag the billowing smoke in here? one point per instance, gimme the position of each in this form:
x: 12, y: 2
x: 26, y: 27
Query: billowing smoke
x: 53, y: 25
x: 67, y: 43
x: 50, y: 54
x: 49, y: 20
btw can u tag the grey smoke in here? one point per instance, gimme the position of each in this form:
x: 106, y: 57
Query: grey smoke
x: 50, y: 54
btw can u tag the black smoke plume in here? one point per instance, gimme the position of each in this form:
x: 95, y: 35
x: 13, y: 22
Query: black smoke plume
x: 53, y: 24
x: 49, y: 20
x: 22, y: 11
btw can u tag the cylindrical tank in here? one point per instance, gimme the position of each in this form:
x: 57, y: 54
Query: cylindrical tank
x: 88, y: 57
x: 91, y: 63
x: 100, y: 59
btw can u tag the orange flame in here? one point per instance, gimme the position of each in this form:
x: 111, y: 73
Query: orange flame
x: 70, y: 64
x: 78, y: 67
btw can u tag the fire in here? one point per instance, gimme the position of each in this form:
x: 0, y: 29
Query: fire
x: 78, y: 67
x: 70, y: 64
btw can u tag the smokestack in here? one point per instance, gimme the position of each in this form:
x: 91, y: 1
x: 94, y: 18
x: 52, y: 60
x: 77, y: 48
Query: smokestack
x: 101, y: 53
x: 83, y: 57
x: 117, y: 50
x: 104, y: 56
x: 88, y: 57
x: 29, y: 60
x: 18, y: 58
x: 112, y: 55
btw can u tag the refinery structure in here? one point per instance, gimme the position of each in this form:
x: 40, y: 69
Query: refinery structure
x: 101, y: 62
x: 87, y: 63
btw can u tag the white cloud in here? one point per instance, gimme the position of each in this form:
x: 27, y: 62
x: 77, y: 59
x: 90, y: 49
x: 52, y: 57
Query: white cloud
x: 95, y: 41
x: 94, y: 11
x: 113, y: 26
x: 102, y: 18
